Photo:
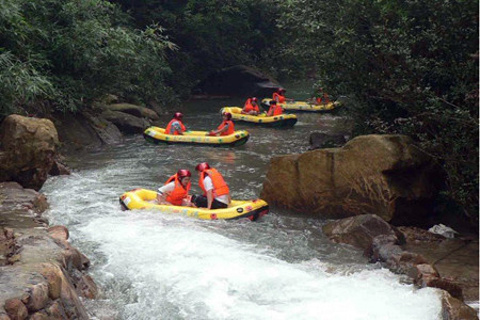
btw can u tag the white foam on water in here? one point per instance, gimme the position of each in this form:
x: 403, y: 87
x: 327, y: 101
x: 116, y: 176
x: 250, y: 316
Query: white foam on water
x: 157, y: 266
x: 179, y: 270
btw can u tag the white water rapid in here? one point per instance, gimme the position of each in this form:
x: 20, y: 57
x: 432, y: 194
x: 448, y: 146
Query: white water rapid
x: 156, y: 266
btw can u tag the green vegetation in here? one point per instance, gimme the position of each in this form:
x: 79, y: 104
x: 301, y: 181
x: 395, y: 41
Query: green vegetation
x: 210, y: 34
x: 408, y: 67
x: 62, y: 54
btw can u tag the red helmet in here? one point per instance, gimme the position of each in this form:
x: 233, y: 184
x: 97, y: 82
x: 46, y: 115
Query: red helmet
x: 178, y: 115
x: 254, y: 99
x: 281, y: 90
x: 228, y: 115
x: 182, y: 173
x: 202, y: 166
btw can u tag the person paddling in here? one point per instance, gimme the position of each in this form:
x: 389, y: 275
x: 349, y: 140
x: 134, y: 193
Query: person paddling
x: 176, y: 126
x: 226, y: 127
x: 175, y: 189
x: 216, y: 192
x: 279, y: 96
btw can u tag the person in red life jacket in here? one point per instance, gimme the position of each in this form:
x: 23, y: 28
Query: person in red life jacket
x: 275, y: 109
x: 322, y: 97
x: 279, y: 96
x: 216, y: 191
x: 175, y: 190
x: 176, y: 126
x: 226, y: 127
x: 251, y: 107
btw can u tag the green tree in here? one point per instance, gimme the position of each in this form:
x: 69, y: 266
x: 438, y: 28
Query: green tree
x: 409, y: 67
x: 69, y: 53
x: 210, y: 34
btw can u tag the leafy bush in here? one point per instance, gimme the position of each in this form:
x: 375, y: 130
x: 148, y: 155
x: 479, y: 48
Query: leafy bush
x: 410, y: 67
x: 71, y: 52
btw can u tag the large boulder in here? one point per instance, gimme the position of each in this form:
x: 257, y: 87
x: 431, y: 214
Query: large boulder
x: 27, y: 150
x: 238, y: 80
x: 125, y: 122
x: 132, y: 109
x: 85, y: 129
x: 386, y: 175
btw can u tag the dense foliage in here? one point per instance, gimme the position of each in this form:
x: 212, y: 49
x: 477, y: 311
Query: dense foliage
x: 210, y: 34
x: 64, y: 53
x: 409, y: 67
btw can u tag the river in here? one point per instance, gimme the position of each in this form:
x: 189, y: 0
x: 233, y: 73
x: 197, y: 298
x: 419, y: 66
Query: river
x: 158, y: 266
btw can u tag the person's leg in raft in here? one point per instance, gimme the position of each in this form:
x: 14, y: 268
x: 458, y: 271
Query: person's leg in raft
x: 202, y: 202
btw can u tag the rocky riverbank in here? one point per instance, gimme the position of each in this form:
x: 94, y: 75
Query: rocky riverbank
x: 41, y: 275
x: 382, y: 191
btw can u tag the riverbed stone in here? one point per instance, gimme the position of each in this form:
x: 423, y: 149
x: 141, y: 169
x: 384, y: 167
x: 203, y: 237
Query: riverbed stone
x: 39, y: 316
x: 456, y: 260
x: 16, y: 309
x: 454, y: 309
x: 359, y: 231
x: 56, y: 311
x: 58, y: 232
x: 27, y: 150
x: 386, y: 175
x: 125, y: 122
x: 58, y: 169
x: 134, y: 110
x: 52, y: 274
x: 38, y: 297
x: 20, y: 206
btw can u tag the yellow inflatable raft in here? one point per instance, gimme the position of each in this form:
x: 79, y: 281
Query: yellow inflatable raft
x: 158, y: 135
x: 281, y: 121
x: 145, y: 199
x: 303, y: 106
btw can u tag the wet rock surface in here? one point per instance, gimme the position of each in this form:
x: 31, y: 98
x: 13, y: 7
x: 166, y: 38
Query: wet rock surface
x: 386, y: 175
x: 429, y: 260
x: 41, y: 275
x: 27, y: 150
x: 455, y: 259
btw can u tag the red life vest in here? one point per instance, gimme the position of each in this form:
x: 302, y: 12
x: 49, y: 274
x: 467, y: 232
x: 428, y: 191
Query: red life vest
x: 176, y: 196
x: 277, y: 110
x: 169, y: 127
x: 220, y: 187
x: 250, y: 107
x: 230, y: 129
x: 326, y: 100
x: 279, y: 98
